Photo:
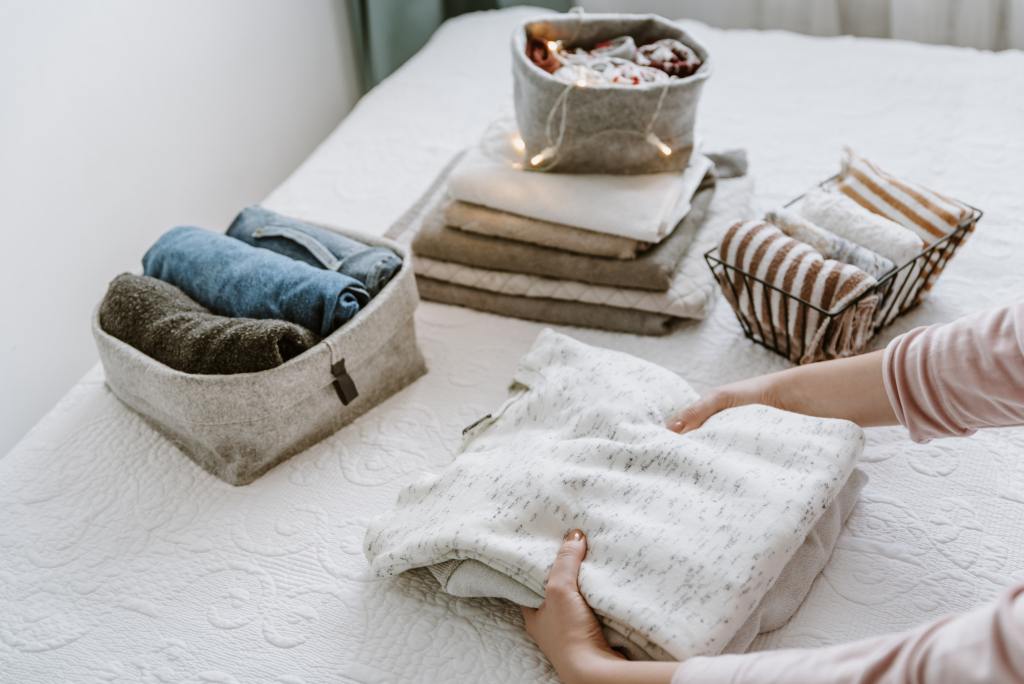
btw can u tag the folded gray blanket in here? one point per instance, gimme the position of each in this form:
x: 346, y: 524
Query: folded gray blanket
x: 165, y: 324
x: 555, y: 311
x: 652, y: 270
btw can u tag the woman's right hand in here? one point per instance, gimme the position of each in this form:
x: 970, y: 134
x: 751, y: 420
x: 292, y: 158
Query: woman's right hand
x: 764, y: 389
x: 851, y: 389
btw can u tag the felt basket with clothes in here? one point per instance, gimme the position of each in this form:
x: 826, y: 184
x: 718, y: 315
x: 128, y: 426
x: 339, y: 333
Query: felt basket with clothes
x: 607, y: 93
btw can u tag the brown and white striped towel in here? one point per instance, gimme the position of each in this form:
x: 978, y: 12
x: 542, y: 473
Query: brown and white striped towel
x: 816, y: 284
x: 927, y: 213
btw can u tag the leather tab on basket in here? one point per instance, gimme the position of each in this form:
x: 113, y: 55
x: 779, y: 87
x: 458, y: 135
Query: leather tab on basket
x: 343, y: 383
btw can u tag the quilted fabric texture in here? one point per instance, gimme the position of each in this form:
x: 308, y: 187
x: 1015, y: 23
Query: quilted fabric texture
x: 121, y: 561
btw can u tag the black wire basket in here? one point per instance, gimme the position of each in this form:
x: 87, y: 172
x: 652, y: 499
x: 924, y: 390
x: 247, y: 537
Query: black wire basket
x: 895, y: 293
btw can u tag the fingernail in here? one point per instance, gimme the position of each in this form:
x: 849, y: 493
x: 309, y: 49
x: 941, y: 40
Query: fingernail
x: 675, y: 425
x: 574, y: 535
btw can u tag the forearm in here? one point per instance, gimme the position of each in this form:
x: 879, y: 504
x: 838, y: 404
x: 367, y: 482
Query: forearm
x: 610, y: 669
x: 852, y: 389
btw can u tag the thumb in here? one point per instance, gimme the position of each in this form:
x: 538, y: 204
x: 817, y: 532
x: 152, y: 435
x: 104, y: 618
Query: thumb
x: 566, y: 568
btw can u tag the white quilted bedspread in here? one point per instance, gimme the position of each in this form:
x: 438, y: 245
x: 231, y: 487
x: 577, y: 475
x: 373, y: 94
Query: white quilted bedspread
x: 120, y: 561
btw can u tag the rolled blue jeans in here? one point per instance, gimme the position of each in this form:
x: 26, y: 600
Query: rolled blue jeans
x: 373, y: 266
x: 232, y: 278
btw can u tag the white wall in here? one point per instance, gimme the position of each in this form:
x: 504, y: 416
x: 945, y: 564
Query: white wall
x: 122, y: 118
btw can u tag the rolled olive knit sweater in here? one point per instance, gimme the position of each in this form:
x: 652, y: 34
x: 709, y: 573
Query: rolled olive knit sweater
x: 164, y: 323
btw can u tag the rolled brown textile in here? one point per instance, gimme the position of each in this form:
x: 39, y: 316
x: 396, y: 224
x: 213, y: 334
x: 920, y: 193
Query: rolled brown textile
x: 475, y: 218
x: 801, y: 325
x: 652, y: 270
x: 167, y: 325
x: 553, y: 311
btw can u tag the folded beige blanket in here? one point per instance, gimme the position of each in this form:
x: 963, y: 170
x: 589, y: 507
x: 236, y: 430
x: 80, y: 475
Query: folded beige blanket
x: 555, y: 311
x: 476, y: 218
x: 801, y: 330
x: 652, y: 270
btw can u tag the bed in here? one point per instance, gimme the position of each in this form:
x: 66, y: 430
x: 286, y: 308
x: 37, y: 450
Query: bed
x: 120, y: 560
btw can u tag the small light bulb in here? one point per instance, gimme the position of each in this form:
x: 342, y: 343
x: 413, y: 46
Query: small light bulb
x: 665, y: 150
x: 517, y: 144
x: 542, y: 156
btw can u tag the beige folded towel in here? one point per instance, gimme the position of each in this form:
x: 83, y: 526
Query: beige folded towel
x: 844, y: 217
x: 792, y: 267
x: 475, y: 218
x: 828, y: 244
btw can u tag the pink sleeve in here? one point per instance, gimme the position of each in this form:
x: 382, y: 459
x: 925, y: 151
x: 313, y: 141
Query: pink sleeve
x: 984, y: 646
x: 951, y: 379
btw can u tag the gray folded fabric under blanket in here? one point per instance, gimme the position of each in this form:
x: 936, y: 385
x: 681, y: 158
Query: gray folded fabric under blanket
x: 555, y: 311
x: 165, y: 324
x: 652, y: 270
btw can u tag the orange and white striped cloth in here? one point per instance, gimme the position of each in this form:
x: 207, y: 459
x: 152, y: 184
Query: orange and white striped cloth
x: 805, y: 326
x: 928, y: 214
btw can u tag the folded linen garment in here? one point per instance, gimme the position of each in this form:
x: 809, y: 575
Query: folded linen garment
x: 687, y: 533
x: 926, y: 213
x: 163, y: 323
x: 828, y: 244
x: 652, y: 270
x: 232, y: 278
x: 475, y: 218
x: 641, y: 207
x: 472, y: 579
x: 320, y: 247
x: 838, y: 213
x: 689, y: 296
x: 795, y: 268
x: 557, y: 312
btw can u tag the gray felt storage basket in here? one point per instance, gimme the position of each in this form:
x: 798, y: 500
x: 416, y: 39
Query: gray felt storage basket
x: 239, y: 426
x: 606, y: 127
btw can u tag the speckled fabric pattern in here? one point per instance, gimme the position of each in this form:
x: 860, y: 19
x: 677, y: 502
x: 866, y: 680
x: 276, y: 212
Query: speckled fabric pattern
x: 687, y: 533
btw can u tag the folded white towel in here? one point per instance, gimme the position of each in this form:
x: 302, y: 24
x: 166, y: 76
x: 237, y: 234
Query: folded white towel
x: 642, y: 207
x: 828, y: 244
x: 687, y: 533
x: 844, y: 217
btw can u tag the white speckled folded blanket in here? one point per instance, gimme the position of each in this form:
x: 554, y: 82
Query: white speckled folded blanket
x: 687, y: 533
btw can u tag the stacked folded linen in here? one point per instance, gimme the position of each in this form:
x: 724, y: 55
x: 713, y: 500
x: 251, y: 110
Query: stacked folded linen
x: 616, y: 252
x: 689, y: 536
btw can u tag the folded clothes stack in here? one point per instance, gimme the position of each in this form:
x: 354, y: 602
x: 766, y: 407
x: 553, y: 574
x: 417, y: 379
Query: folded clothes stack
x: 247, y: 301
x: 829, y: 252
x: 697, y: 542
x: 616, y: 252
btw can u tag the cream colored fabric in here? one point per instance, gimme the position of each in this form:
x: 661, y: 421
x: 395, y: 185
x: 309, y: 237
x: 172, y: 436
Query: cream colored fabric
x: 687, y: 533
x: 475, y: 218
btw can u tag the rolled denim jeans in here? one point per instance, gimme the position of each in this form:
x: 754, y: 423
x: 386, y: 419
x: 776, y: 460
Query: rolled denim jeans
x: 321, y: 247
x: 232, y: 278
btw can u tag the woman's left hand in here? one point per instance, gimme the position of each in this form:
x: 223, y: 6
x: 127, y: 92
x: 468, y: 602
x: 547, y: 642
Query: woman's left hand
x: 564, y: 626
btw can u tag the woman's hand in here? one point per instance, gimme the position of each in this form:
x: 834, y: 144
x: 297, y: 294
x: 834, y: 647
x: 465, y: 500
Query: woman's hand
x: 852, y: 389
x: 567, y: 631
x: 765, y: 389
x: 564, y: 626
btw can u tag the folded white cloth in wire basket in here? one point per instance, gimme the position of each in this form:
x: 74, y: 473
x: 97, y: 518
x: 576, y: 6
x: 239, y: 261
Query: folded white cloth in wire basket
x: 686, y: 533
